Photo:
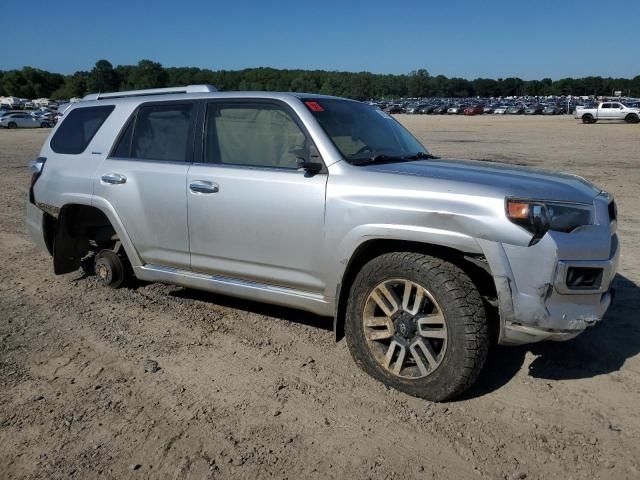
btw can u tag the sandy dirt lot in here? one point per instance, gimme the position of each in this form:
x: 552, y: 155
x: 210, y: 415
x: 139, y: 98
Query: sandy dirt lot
x: 246, y: 390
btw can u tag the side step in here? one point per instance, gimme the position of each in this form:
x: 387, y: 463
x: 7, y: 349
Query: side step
x: 249, y: 290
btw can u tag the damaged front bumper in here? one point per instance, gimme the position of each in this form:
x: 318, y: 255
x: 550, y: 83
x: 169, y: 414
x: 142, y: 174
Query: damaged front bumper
x: 557, y: 288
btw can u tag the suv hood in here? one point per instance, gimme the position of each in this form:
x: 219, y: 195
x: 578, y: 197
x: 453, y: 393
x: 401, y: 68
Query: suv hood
x: 500, y: 178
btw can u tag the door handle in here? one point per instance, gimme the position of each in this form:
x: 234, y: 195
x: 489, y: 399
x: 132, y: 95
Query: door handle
x: 203, y: 186
x: 113, y: 178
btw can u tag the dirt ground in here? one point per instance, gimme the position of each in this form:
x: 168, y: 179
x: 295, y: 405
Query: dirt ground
x: 244, y: 390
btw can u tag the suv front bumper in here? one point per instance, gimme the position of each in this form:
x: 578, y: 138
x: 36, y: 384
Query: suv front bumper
x: 537, y: 296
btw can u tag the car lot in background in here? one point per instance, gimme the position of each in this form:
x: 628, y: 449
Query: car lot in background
x: 23, y: 120
x: 498, y: 106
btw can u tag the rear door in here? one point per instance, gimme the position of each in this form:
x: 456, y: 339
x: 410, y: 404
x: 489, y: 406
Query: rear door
x: 605, y: 112
x: 144, y: 179
x: 23, y: 120
x: 253, y: 214
x: 616, y: 111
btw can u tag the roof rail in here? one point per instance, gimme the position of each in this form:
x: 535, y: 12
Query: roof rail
x: 152, y: 91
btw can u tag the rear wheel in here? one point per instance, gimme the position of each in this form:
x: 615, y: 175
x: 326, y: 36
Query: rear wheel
x: 587, y: 119
x: 111, y: 269
x: 44, y: 125
x: 12, y: 125
x: 631, y: 118
x: 417, y: 324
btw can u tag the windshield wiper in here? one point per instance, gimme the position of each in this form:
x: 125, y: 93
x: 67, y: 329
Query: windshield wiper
x: 422, y: 156
x: 382, y: 158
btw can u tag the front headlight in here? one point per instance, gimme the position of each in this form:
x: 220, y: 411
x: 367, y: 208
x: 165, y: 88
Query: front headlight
x: 538, y: 217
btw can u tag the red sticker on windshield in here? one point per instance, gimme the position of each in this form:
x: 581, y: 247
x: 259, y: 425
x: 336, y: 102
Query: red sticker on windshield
x: 314, y: 106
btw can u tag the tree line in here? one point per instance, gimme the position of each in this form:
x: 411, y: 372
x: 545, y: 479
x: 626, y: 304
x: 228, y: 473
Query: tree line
x: 31, y: 82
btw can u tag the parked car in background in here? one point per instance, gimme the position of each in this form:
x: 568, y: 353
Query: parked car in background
x: 441, y: 109
x: 394, y: 109
x: 551, y: 110
x: 475, y: 110
x: 23, y: 120
x: 608, y: 111
x: 501, y: 110
x: 41, y: 114
x: 515, y: 110
x: 533, y: 110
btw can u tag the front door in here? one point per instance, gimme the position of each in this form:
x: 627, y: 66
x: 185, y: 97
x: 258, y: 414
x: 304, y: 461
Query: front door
x: 253, y: 214
x: 144, y: 179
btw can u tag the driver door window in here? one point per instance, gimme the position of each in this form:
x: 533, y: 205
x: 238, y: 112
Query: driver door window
x: 253, y: 135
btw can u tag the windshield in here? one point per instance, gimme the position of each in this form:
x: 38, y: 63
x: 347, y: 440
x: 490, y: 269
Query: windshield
x: 361, y: 131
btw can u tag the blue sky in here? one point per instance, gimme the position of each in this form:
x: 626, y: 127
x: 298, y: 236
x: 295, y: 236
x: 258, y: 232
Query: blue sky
x: 473, y: 38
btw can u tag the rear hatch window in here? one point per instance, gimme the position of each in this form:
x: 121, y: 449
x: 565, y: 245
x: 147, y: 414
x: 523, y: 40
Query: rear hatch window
x: 78, y: 128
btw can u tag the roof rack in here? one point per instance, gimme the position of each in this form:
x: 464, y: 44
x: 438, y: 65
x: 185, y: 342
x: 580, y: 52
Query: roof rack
x: 152, y: 91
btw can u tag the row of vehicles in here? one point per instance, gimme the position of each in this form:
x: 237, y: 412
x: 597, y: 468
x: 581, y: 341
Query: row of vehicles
x: 445, y: 108
x: 586, y: 110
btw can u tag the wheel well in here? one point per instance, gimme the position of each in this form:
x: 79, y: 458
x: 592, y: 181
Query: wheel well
x: 79, y: 230
x: 474, y: 265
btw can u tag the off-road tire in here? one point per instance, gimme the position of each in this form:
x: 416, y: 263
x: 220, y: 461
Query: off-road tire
x: 631, y: 118
x: 587, y: 119
x: 467, y: 330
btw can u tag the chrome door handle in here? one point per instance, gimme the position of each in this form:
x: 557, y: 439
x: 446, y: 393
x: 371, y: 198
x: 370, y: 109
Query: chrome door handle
x: 202, y: 186
x: 113, y: 178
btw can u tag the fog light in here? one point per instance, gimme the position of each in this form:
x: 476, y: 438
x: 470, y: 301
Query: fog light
x: 584, y: 278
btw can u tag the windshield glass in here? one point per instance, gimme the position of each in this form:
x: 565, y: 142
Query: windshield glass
x: 359, y: 130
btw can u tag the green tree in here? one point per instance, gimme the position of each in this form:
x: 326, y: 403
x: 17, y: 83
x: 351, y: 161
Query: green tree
x: 74, y: 86
x: 147, y: 74
x: 418, y: 84
x: 103, y: 78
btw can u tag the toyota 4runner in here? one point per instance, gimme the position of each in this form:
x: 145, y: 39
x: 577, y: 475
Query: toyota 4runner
x: 326, y: 205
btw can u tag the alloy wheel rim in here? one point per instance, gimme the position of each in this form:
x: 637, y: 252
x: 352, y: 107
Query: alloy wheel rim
x: 405, y: 328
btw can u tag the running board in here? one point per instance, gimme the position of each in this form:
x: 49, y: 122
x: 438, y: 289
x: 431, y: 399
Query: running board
x: 246, y: 289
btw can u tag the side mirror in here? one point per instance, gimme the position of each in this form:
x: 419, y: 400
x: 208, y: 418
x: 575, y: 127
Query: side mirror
x: 311, y: 162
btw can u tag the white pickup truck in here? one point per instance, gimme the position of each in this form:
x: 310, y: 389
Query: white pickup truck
x: 608, y: 111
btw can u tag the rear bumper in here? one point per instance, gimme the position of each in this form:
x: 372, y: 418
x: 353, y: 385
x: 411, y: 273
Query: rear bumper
x: 35, y: 226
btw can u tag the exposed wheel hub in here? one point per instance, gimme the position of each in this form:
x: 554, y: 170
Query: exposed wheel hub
x: 405, y: 325
x: 103, y: 272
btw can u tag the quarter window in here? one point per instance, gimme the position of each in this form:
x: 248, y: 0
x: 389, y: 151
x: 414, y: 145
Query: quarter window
x: 253, y: 134
x: 78, y: 129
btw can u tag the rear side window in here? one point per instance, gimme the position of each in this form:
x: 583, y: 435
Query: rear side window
x: 78, y: 128
x: 158, y: 132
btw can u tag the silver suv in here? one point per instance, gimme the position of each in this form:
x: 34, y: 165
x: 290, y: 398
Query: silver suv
x: 331, y: 206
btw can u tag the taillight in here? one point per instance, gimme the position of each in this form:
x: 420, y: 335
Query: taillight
x: 36, y: 167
